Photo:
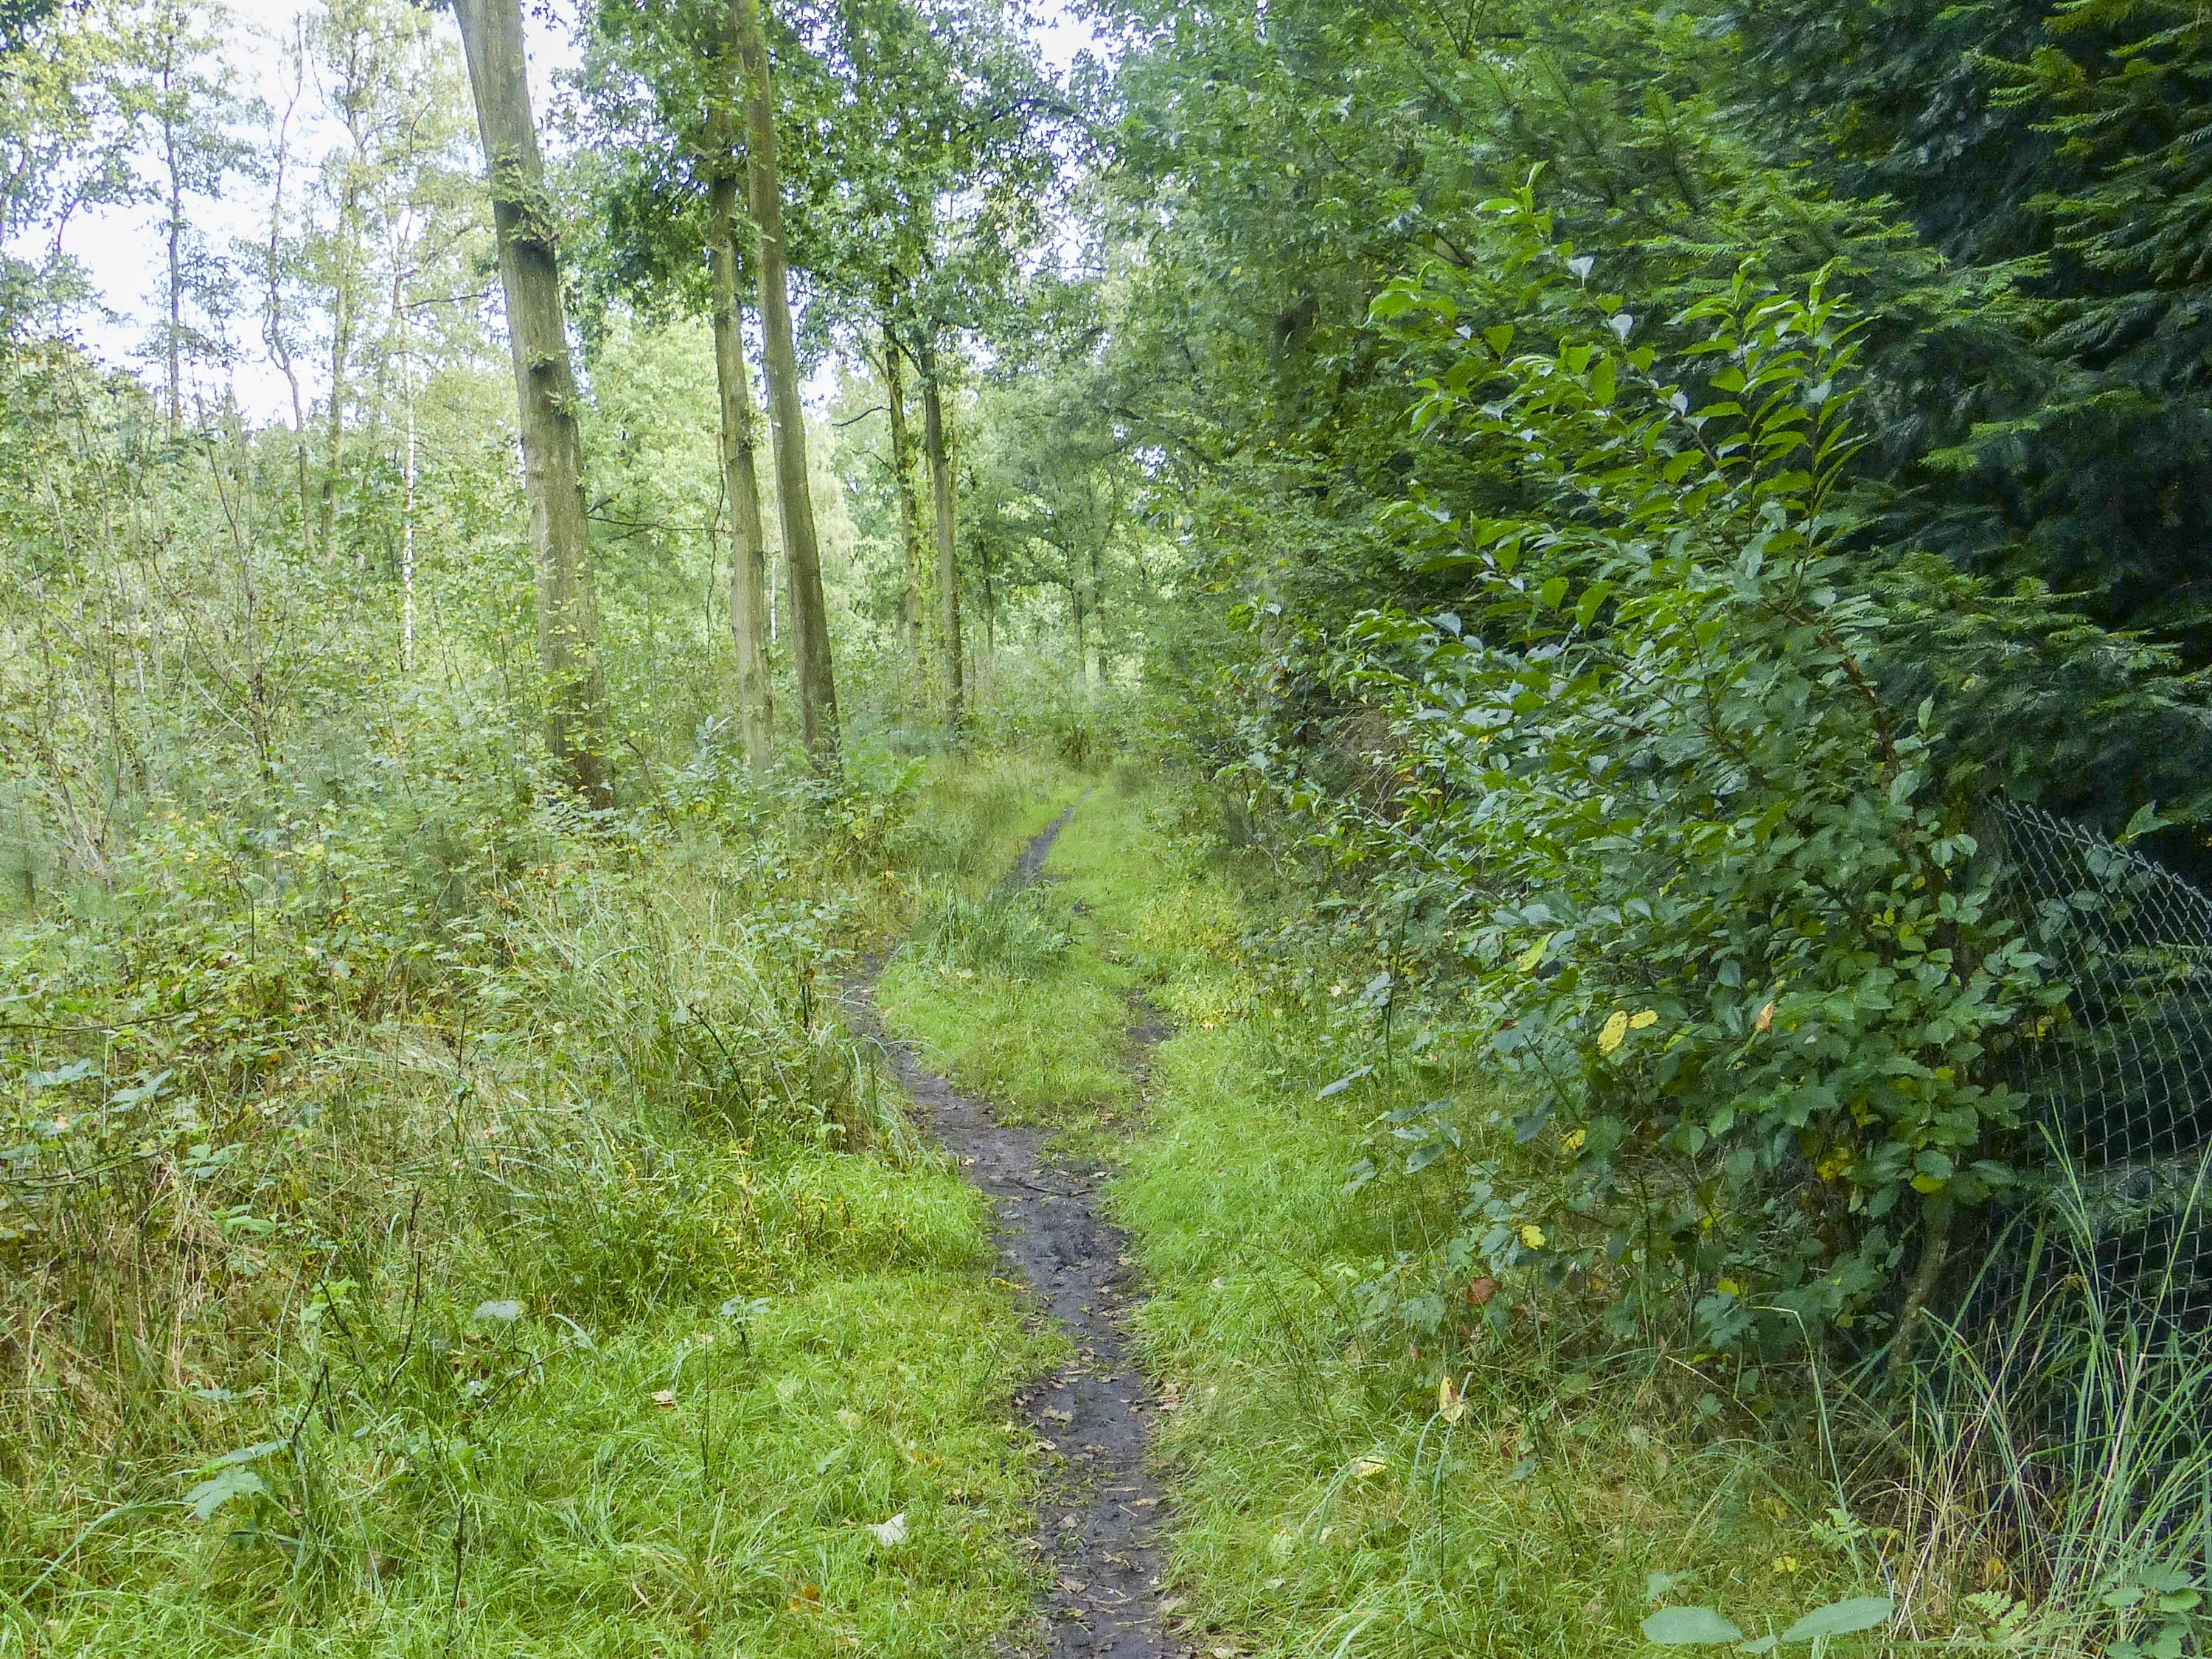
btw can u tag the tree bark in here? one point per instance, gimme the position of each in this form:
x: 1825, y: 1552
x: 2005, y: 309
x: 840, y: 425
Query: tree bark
x: 1075, y: 608
x: 913, y: 606
x: 935, y: 442
x: 546, y: 394
x: 748, y: 623
x: 1098, y: 622
x: 986, y: 672
x: 810, y: 620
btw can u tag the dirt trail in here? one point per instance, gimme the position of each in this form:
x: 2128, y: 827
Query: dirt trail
x: 1101, y: 1517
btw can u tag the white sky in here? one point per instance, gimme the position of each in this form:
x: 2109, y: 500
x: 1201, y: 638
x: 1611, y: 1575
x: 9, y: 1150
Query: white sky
x: 119, y: 245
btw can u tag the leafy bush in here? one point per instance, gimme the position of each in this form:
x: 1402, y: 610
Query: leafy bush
x: 1690, y: 873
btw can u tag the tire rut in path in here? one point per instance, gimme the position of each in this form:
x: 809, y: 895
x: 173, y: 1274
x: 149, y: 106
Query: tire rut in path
x: 1100, y: 1515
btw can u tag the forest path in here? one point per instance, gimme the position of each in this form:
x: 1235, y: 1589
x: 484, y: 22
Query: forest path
x: 1100, y: 1515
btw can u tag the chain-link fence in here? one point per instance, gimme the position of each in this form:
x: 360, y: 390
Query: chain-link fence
x: 2120, y: 1076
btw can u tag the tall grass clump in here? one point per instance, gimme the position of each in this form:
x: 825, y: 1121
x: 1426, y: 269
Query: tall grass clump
x: 2051, y: 1480
x: 1015, y: 932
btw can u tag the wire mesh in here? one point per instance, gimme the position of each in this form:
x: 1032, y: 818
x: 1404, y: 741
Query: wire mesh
x: 2120, y: 1075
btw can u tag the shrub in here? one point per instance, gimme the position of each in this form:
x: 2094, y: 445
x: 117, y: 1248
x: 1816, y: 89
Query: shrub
x: 1687, y: 871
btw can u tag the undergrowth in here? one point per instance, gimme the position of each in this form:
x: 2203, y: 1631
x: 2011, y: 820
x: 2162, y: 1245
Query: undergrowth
x: 438, y: 1223
x: 1359, y: 1473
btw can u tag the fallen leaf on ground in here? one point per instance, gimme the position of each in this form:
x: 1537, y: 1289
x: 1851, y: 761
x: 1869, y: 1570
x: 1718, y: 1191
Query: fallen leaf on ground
x: 892, y: 1531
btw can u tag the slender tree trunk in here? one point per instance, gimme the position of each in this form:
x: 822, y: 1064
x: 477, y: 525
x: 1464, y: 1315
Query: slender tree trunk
x: 1075, y: 608
x: 272, y: 327
x: 934, y: 441
x: 176, y: 339
x: 1098, y: 620
x: 741, y: 477
x: 545, y: 392
x: 407, y: 504
x: 913, y: 605
x: 810, y: 620
x: 342, y: 320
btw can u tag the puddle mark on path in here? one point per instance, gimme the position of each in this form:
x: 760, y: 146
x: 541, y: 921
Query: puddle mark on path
x: 1100, y: 1515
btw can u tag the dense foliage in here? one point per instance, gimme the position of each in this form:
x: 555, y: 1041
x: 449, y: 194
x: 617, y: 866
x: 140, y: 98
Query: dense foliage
x: 1645, y: 542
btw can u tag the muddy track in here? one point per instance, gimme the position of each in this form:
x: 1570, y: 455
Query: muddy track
x: 1101, y: 1517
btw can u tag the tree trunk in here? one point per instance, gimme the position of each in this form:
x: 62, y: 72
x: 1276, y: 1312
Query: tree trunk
x: 1098, y: 620
x: 810, y: 620
x: 1075, y: 608
x: 749, y: 621
x: 407, y: 504
x: 272, y: 327
x: 175, y: 353
x: 545, y: 392
x: 343, y: 307
x: 172, y: 345
x: 948, y: 570
x: 911, y: 605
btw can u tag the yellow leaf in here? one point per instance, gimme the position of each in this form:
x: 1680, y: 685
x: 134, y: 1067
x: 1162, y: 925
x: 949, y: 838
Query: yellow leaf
x: 1527, y: 961
x: 1766, y: 1018
x: 665, y: 1398
x: 1616, y: 1028
x: 1927, y: 1184
x: 1572, y: 1140
x: 1644, y: 1021
x: 1451, y: 1404
x: 1362, y: 1468
x: 1532, y: 1236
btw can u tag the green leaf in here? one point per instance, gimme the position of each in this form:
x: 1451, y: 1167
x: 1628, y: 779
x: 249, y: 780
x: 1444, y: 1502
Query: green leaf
x: 1689, y: 1628
x: 217, y: 1490
x: 1842, y: 1618
x: 2145, y: 820
x: 252, y: 1453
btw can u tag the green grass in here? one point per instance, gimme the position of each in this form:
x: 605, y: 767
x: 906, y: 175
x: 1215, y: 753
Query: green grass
x: 1327, y: 1504
x: 595, y: 1519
